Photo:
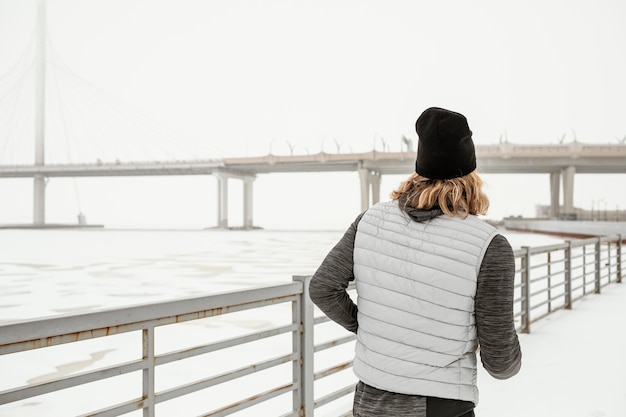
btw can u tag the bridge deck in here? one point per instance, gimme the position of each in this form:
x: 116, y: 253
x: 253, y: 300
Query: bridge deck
x: 499, y: 159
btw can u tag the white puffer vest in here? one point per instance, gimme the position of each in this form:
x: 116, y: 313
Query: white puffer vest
x: 416, y: 284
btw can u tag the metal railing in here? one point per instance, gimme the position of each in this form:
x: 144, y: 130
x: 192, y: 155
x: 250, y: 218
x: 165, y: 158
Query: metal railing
x: 548, y: 278
x: 296, y: 352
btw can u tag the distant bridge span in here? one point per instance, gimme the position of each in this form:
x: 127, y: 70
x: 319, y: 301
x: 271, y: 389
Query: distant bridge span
x: 560, y: 161
x: 505, y: 158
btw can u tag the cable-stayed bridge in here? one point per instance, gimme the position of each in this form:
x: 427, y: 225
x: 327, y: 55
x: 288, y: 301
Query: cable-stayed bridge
x: 45, y: 106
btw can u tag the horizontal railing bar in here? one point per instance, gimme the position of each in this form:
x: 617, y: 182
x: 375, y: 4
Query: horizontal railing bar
x: 535, y: 306
x: 109, y: 331
x: 541, y: 291
x: 332, y: 370
x: 320, y: 320
x: 558, y: 274
x: 29, y: 391
x: 290, y: 414
x: 250, y: 401
x: 554, y: 286
x: 578, y: 253
x: 552, y: 271
x: 584, y: 242
x: 545, y: 249
x: 342, y: 392
x: 39, y: 329
x: 201, y: 350
x: 117, y: 410
x: 21, y: 346
x: 558, y: 297
x: 608, y: 238
x: 219, y: 379
x: 335, y: 342
x: 535, y: 265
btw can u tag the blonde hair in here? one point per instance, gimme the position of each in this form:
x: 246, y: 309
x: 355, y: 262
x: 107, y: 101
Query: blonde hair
x: 455, y: 197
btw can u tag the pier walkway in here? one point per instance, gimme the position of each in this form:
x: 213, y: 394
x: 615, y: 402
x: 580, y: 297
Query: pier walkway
x: 574, y: 364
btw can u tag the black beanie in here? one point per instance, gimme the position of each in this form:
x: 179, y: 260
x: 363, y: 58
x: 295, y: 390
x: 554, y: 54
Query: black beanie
x: 445, y: 149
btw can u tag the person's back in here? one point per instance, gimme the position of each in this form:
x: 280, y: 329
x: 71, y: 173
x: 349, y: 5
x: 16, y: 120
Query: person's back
x: 433, y: 282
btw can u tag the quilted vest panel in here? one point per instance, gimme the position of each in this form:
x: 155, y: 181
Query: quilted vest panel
x: 416, y: 284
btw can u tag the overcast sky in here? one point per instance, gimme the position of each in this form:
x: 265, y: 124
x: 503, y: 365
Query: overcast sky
x: 165, y: 79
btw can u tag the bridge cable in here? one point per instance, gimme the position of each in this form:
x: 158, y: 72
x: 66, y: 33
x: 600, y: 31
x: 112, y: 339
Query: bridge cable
x: 101, y: 102
x: 67, y: 133
x: 15, y: 82
x: 16, y: 122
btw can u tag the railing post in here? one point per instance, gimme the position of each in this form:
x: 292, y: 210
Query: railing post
x: 304, y: 344
x: 148, y: 371
x: 568, y: 275
x: 597, y: 260
x: 526, y: 291
x: 584, y: 269
x: 549, y: 282
x: 619, y: 259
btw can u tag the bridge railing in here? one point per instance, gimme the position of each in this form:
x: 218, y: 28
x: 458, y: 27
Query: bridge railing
x: 549, y: 278
x: 195, y: 357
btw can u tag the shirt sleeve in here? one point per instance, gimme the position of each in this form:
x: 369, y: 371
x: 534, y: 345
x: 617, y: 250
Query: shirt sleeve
x: 500, y: 351
x: 330, y: 281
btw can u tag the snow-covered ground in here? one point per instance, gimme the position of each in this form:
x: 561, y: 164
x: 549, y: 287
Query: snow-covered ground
x: 574, y: 364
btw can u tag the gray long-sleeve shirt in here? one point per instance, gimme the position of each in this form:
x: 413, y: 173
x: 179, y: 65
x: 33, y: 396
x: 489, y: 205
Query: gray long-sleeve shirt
x: 500, y: 351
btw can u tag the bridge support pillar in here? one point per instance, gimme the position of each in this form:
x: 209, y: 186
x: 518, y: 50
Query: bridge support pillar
x: 370, y: 186
x: 568, y: 193
x: 222, y: 200
x: 555, y: 191
x: 364, y: 178
x: 39, y: 201
x: 375, y: 179
x: 247, y: 202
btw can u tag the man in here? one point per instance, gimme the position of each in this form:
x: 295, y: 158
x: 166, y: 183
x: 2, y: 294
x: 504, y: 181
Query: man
x: 433, y: 281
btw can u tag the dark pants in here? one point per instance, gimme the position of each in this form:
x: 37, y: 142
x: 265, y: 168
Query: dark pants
x: 441, y: 407
x: 374, y: 402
